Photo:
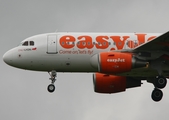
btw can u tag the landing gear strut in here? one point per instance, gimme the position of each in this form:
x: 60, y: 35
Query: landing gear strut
x: 159, y: 83
x: 51, y: 87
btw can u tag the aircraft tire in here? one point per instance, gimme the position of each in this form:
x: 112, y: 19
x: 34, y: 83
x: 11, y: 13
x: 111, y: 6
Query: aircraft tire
x: 157, y: 95
x: 160, y: 82
x: 51, y: 88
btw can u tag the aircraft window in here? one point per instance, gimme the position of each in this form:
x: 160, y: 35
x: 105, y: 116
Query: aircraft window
x: 70, y: 43
x: 31, y: 43
x: 88, y: 43
x: 109, y: 43
x: 83, y: 43
x: 25, y: 43
x: 127, y: 42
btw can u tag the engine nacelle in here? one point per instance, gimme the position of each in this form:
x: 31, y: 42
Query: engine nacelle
x: 108, y: 83
x: 112, y: 84
x: 115, y: 62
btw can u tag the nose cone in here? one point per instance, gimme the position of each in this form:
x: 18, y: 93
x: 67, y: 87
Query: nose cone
x: 7, y: 57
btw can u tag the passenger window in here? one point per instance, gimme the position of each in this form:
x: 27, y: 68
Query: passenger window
x: 31, y: 43
x: 25, y: 43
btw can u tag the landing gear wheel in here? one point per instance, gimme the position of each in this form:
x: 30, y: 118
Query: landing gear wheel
x: 157, y: 95
x: 51, y: 88
x: 160, y: 82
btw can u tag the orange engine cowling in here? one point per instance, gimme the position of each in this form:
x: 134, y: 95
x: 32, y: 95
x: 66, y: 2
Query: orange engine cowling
x: 108, y: 83
x: 116, y: 62
x: 112, y: 84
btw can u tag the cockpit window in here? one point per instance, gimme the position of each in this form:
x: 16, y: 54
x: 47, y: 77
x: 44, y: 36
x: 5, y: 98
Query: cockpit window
x: 25, y: 43
x: 31, y: 43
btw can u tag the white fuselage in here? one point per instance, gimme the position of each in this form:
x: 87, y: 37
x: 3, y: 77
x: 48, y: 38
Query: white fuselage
x: 70, y: 52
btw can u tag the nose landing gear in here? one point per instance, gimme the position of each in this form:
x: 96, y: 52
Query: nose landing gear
x: 51, y: 87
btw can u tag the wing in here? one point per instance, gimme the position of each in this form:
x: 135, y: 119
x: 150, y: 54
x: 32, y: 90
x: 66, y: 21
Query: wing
x: 156, y: 52
x: 160, y: 43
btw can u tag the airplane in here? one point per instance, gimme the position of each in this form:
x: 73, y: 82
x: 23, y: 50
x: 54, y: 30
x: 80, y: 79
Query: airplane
x: 118, y: 61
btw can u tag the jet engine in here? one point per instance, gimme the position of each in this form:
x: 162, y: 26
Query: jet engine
x: 112, y: 84
x: 115, y: 62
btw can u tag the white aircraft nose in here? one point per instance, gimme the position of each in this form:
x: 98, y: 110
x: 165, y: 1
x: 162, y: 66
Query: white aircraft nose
x: 7, y: 57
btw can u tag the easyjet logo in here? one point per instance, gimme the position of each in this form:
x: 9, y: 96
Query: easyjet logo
x: 102, y: 42
x: 116, y: 60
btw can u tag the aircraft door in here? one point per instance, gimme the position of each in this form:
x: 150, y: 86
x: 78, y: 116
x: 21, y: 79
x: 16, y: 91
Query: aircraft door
x: 52, y: 44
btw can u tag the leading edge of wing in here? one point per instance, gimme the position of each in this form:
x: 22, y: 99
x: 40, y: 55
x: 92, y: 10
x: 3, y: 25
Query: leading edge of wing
x: 159, y: 43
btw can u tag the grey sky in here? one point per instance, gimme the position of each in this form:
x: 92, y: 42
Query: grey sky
x: 24, y: 94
